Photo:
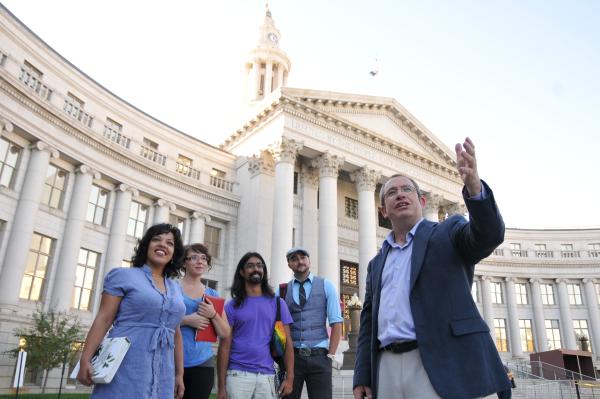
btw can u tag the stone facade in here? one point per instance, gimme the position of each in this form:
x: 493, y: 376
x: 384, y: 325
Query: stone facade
x: 83, y: 173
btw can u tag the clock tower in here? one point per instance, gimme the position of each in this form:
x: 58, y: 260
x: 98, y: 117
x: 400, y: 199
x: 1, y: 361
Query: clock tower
x: 266, y: 66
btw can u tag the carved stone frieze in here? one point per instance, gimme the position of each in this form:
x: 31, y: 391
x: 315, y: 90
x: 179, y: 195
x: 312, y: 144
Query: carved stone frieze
x: 328, y: 165
x: 366, y: 179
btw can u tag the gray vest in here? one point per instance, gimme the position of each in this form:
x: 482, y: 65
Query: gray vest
x: 309, y: 326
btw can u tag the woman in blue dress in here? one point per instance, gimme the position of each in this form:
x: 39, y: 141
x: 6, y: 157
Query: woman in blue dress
x: 198, y: 357
x: 144, y: 304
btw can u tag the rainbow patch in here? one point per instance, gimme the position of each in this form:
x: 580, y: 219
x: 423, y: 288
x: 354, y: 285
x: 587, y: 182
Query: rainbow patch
x: 278, y: 340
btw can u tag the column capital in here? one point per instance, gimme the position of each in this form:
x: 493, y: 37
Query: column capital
x: 477, y: 278
x: 126, y: 187
x: 43, y: 146
x: 560, y: 280
x: 285, y: 150
x: 161, y: 202
x: 365, y: 179
x: 85, y: 169
x: 433, y: 201
x: 535, y: 280
x: 200, y: 215
x: 309, y: 177
x: 589, y: 280
x: 262, y: 163
x: 510, y: 280
x: 486, y: 278
x: 456, y: 209
x: 328, y: 164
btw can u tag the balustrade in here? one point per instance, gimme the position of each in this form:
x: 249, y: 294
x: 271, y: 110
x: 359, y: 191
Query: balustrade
x: 116, y: 137
x: 34, y: 82
x: 75, y: 111
x: 187, y: 170
x: 221, y: 183
x: 153, y: 155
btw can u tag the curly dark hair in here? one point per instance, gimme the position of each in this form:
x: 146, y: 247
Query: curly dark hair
x: 199, y: 249
x: 238, y: 288
x: 140, y: 256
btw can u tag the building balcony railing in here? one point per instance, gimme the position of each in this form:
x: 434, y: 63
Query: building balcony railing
x: 569, y: 254
x: 544, y: 254
x: 221, y: 183
x: 187, y: 170
x: 594, y: 253
x: 116, y: 137
x: 75, y: 111
x: 153, y: 155
x: 34, y: 82
x: 519, y: 253
x: 498, y: 252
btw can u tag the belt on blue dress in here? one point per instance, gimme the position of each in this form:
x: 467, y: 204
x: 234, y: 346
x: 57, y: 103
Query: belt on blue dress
x: 163, y: 336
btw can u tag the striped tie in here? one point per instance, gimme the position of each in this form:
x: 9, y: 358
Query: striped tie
x: 302, y: 293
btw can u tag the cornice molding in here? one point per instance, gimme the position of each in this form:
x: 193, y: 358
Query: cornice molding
x: 91, y: 139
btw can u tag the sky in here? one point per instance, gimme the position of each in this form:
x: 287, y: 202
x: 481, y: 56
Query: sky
x: 521, y: 78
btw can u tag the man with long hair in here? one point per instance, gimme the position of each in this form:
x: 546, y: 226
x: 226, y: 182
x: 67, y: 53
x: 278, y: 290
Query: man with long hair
x: 244, y: 362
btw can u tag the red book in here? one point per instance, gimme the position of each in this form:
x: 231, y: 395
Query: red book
x: 209, y: 334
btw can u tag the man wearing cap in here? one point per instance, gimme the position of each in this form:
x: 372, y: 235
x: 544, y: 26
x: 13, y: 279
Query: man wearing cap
x: 312, y: 301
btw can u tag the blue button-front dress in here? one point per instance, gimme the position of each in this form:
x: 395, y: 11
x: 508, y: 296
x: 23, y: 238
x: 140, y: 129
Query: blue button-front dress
x: 149, y: 318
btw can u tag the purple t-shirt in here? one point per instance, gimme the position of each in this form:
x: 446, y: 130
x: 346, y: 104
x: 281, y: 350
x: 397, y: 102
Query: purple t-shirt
x: 251, y: 329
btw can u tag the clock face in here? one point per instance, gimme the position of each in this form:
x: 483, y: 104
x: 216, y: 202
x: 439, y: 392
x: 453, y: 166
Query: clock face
x: 273, y: 37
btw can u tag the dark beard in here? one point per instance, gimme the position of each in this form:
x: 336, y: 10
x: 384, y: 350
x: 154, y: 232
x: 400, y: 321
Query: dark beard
x: 254, y: 279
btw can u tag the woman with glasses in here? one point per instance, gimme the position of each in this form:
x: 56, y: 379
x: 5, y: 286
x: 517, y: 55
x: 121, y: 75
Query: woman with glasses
x: 198, y: 357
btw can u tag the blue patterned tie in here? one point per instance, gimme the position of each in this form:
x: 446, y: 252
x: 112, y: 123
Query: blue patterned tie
x: 302, y: 293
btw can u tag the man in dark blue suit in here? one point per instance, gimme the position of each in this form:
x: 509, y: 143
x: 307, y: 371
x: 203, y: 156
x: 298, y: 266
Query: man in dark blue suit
x: 421, y: 335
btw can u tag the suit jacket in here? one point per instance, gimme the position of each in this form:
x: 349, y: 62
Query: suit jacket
x: 457, y: 350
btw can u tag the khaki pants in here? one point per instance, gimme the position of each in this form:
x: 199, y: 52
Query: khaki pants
x: 402, y: 376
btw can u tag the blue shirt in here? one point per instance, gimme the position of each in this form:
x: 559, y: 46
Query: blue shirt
x: 395, y: 321
x: 334, y: 312
x: 195, y: 352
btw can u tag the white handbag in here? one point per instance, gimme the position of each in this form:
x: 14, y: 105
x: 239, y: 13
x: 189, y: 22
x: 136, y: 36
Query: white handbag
x: 107, y: 359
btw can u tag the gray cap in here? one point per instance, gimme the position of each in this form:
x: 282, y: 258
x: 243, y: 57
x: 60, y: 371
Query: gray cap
x: 296, y: 250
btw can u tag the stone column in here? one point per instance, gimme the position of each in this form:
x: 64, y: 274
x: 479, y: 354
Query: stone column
x: 284, y: 154
x: 539, y: 323
x: 310, y: 216
x: 592, y: 304
x: 118, y: 227
x: 566, y: 321
x: 268, y: 77
x: 23, y: 224
x: 162, y: 211
x: 366, y: 180
x: 198, y: 227
x: 329, y: 264
x: 255, y: 93
x: 279, y: 76
x: 486, y: 300
x: 513, y: 319
x: 71, y: 239
x: 432, y: 208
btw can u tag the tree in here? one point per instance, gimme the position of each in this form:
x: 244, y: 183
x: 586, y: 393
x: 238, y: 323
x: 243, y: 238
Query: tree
x: 49, y: 340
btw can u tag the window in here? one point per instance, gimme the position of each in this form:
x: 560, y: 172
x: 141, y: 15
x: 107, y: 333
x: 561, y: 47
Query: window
x: 293, y: 237
x: 498, y: 252
x: 581, y: 330
x: 178, y: 222
x: 500, y: 331
x: 126, y: 263
x: 594, y: 250
x: 74, y: 108
x: 384, y: 222
x: 574, y: 292
x: 521, y: 292
x: 515, y: 250
x: 183, y: 164
x: 149, y: 143
x: 40, y: 253
x: 541, y: 252
x: 349, y: 283
x: 496, y: 292
x: 295, y: 182
x: 474, y: 291
x: 526, y: 335
x: 84, y: 279
x: 212, y: 240
x: 96, y: 206
x: 9, y: 156
x: 566, y: 251
x: 552, y: 334
x: 138, y: 214
x: 351, y: 208
x: 547, y: 292
x: 54, y: 187
x: 113, y: 131
x: 210, y: 283
x: 217, y: 173
x: 217, y: 179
